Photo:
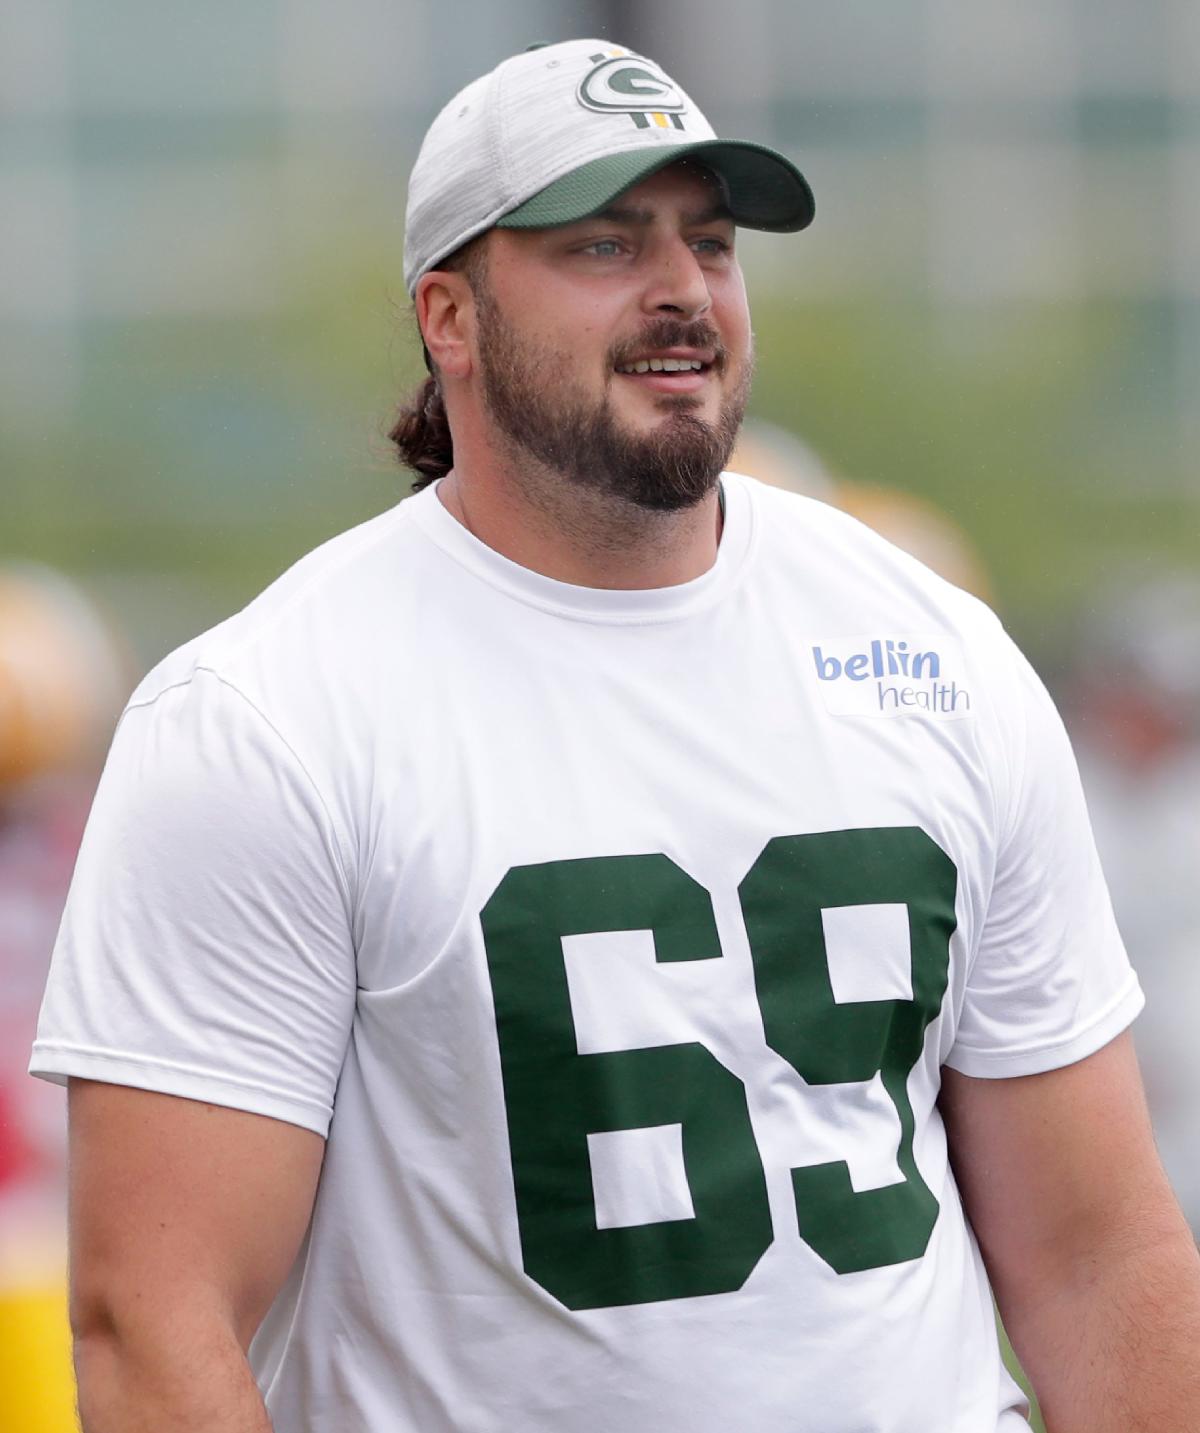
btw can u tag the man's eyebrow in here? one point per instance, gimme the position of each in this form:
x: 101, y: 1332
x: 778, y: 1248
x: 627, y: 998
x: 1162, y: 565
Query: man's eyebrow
x: 719, y: 210
x: 643, y: 218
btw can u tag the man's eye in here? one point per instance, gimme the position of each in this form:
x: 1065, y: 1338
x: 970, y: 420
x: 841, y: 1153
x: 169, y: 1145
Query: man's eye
x: 604, y: 248
x: 710, y: 244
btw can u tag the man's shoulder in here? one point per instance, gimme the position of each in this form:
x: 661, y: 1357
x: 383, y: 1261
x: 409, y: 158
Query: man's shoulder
x: 831, y: 554
x: 310, y: 613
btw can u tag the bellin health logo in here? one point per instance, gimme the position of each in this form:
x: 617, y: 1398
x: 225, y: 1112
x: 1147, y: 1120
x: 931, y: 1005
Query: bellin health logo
x: 892, y: 676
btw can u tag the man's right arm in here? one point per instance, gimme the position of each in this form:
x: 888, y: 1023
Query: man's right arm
x: 184, y: 1221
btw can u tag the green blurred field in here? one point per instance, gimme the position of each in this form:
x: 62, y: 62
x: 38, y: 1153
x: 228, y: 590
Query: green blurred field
x: 1017, y: 1372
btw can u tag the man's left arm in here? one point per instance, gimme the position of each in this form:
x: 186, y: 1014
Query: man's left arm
x: 1095, y: 1272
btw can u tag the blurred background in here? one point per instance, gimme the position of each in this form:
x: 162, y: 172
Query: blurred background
x: 988, y: 345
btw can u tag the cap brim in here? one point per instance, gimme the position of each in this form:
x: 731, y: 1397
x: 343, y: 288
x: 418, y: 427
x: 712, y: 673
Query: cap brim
x: 766, y: 191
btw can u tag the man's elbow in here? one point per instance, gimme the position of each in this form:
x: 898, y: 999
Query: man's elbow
x: 145, y: 1361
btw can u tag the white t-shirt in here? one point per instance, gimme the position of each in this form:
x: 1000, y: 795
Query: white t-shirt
x: 616, y: 939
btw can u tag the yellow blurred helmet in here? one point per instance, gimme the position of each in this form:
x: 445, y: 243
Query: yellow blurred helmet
x: 921, y: 529
x: 776, y: 456
x: 773, y: 455
x: 63, y: 674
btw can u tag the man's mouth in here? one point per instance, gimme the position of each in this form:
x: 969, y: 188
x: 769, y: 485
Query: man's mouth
x: 680, y: 369
x: 663, y: 365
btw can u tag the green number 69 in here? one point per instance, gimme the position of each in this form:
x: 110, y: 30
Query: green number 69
x: 555, y: 1097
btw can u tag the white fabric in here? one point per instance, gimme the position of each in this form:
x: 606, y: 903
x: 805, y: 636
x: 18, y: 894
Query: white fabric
x: 278, y: 908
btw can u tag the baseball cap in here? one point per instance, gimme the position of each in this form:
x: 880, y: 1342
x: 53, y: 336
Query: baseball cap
x: 557, y: 132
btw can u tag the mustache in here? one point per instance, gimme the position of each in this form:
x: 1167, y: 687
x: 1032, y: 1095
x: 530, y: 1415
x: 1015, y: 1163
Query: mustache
x: 672, y: 333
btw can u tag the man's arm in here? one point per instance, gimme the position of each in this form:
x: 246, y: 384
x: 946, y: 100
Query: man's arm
x: 184, y: 1220
x: 1095, y: 1271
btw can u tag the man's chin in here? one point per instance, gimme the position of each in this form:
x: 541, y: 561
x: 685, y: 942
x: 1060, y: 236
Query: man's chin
x: 666, y: 500
x: 644, y: 411
x: 672, y: 420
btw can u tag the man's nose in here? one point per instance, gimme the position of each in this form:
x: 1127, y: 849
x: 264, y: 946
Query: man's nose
x: 678, y: 283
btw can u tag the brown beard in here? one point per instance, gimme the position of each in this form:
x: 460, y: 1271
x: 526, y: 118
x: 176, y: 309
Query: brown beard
x: 526, y: 392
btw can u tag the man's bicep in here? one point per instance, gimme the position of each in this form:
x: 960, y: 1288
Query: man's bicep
x: 1056, y: 1167
x: 175, y: 1202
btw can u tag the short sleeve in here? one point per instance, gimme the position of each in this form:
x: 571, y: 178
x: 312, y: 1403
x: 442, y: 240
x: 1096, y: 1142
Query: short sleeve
x: 1050, y: 982
x: 206, y: 947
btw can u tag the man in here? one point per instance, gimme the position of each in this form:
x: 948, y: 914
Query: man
x: 514, y: 965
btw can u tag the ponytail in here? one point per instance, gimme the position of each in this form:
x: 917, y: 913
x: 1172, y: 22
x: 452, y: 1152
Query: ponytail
x: 422, y: 435
x: 422, y: 431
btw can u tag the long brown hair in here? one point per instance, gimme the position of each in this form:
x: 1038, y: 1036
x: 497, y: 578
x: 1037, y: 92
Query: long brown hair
x: 422, y: 435
x: 421, y: 431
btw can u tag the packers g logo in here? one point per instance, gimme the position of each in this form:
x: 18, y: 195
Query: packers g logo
x: 627, y: 84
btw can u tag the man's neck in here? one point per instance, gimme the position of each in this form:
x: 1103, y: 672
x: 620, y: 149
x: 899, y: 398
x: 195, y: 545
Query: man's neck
x: 580, y: 535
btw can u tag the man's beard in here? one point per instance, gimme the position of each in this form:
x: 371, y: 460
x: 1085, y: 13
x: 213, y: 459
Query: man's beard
x: 528, y: 394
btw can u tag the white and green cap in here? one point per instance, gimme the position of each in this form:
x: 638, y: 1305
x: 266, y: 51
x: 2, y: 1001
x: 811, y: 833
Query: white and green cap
x: 557, y: 132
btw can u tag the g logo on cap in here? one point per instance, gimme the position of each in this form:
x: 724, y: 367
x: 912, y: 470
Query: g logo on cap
x: 628, y: 85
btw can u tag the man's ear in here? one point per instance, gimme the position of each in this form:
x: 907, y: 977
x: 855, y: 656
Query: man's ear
x: 446, y: 314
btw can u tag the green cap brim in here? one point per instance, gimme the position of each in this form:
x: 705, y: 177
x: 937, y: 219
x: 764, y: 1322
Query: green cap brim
x: 766, y: 191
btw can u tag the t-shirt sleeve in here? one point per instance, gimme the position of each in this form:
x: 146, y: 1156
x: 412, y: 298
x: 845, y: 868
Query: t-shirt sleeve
x: 206, y: 946
x: 1050, y: 982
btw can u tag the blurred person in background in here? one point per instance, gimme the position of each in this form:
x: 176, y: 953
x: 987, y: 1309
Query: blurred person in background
x: 534, y: 967
x: 1132, y: 700
x: 63, y: 676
